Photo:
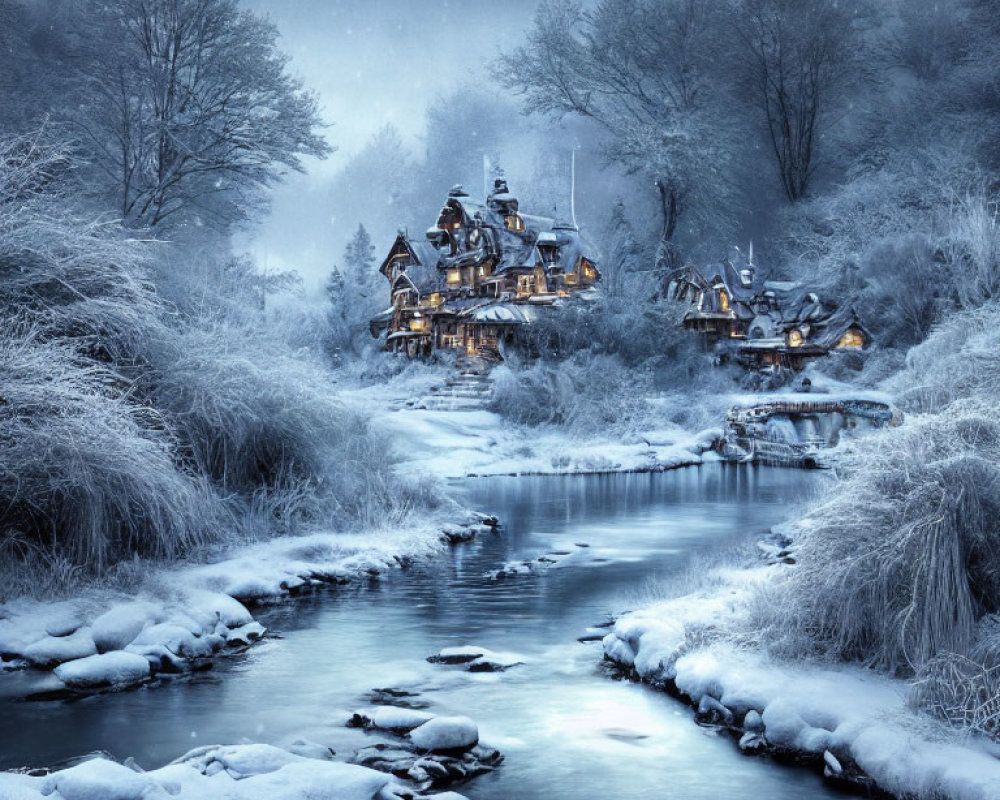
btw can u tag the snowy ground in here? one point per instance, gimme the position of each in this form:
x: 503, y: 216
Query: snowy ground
x: 456, y: 444
x: 851, y: 722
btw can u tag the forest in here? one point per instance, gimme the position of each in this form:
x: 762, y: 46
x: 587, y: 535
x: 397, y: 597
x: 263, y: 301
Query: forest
x: 167, y: 395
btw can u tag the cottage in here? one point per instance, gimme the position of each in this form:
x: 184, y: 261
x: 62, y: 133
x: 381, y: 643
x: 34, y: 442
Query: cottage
x: 766, y: 325
x: 485, y: 270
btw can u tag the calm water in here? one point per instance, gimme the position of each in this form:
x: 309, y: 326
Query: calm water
x: 565, y: 729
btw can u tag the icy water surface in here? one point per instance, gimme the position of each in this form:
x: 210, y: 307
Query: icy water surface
x: 566, y: 730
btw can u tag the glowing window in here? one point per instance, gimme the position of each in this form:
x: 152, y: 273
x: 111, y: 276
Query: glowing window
x: 795, y: 338
x: 852, y: 338
x: 454, y: 276
x: 514, y: 222
x: 724, y: 301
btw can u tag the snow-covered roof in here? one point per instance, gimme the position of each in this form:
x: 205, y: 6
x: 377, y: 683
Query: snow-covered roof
x: 503, y: 314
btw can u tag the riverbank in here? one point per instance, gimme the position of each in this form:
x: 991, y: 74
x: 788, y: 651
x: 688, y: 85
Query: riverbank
x: 476, y: 442
x: 852, y: 724
x: 180, y: 617
x: 237, y: 772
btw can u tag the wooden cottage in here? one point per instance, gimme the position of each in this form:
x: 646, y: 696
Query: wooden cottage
x: 484, y: 270
x: 766, y: 325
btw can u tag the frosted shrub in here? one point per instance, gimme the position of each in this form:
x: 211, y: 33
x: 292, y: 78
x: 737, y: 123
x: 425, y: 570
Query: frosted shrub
x: 69, y: 276
x: 900, y: 561
x: 267, y: 426
x: 587, y: 393
x: 86, y: 475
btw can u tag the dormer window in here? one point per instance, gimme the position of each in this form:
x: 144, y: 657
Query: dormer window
x: 514, y: 223
x: 724, y: 302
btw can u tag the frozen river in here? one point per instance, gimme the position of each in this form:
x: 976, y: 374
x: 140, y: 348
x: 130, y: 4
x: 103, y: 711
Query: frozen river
x: 565, y: 728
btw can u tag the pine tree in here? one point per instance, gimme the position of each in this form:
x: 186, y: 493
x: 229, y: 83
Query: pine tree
x: 359, y: 260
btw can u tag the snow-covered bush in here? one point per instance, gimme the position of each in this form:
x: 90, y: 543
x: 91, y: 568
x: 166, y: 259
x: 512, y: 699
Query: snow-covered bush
x: 899, y: 562
x: 586, y: 393
x: 87, y: 475
x: 262, y: 423
x: 67, y: 275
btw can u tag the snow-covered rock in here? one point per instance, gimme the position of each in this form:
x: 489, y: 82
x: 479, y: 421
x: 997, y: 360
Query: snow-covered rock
x: 54, y: 650
x: 245, y: 634
x: 446, y: 733
x: 178, y: 639
x: 101, y: 779
x: 390, y: 718
x: 120, y: 624
x: 458, y: 655
x: 116, y: 668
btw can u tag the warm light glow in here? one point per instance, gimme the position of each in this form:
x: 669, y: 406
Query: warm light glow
x: 418, y: 324
x: 724, y: 303
x: 795, y: 338
x: 852, y: 338
x: 454, y: 276
x: 514, y: 223
x: 435, y: 299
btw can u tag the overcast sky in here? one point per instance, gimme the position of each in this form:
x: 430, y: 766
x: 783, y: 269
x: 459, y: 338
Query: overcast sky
x: 378, y: 61
x: 371, y: 62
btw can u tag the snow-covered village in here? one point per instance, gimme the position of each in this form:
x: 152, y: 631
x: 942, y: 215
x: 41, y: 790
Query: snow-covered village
x: 548, y: 399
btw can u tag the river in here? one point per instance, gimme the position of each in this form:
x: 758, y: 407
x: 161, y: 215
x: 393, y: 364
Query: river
x: 565, y: 728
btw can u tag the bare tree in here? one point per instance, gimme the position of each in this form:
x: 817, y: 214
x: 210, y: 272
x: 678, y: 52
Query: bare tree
x: 802, y: 54
x: 640, y: 69
x: 190, y: 109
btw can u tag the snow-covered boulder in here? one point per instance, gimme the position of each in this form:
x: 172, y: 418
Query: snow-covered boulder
x: 209, y: 607
x: 116, y: 668
x: 446, y: 733
x: 119, y: 625
x: 390, y: 718
x: 179, y: 640
x: 101, y: 779
x: 458, y: 655
x: 245, y: 634
x: 54, y: 650
x: 494, y: 662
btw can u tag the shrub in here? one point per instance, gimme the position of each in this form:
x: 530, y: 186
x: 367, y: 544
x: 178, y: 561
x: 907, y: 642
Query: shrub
x: 86, y: 474
x: 902, y: 559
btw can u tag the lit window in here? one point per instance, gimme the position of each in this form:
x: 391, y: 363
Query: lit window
x: 852, y: 339
x: 454, y: 276
x: 795, y: 338
x: 724, y: 302
x: 514, y: 223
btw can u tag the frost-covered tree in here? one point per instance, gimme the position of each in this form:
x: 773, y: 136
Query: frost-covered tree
x: 623, y: 255
x: 359, y: 265
x: 376, y: 186
x: 355, y: 292
x: 642, y: 70
x: 802, y: 56
x: 188, y: 109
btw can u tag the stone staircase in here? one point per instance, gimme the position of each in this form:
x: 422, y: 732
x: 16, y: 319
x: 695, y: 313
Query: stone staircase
x: 466, y: 390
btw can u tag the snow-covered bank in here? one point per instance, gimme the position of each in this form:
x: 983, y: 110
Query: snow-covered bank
x: 477, y: 443
x: 239, y: 772
x: 183, y: 616
x: 852, y: 723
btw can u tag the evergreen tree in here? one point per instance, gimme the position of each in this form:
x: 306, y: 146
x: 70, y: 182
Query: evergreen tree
x: 359, y: 258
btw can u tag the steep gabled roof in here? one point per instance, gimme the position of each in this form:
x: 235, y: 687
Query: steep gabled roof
x: 829, y: 332
x: 423, y: 253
